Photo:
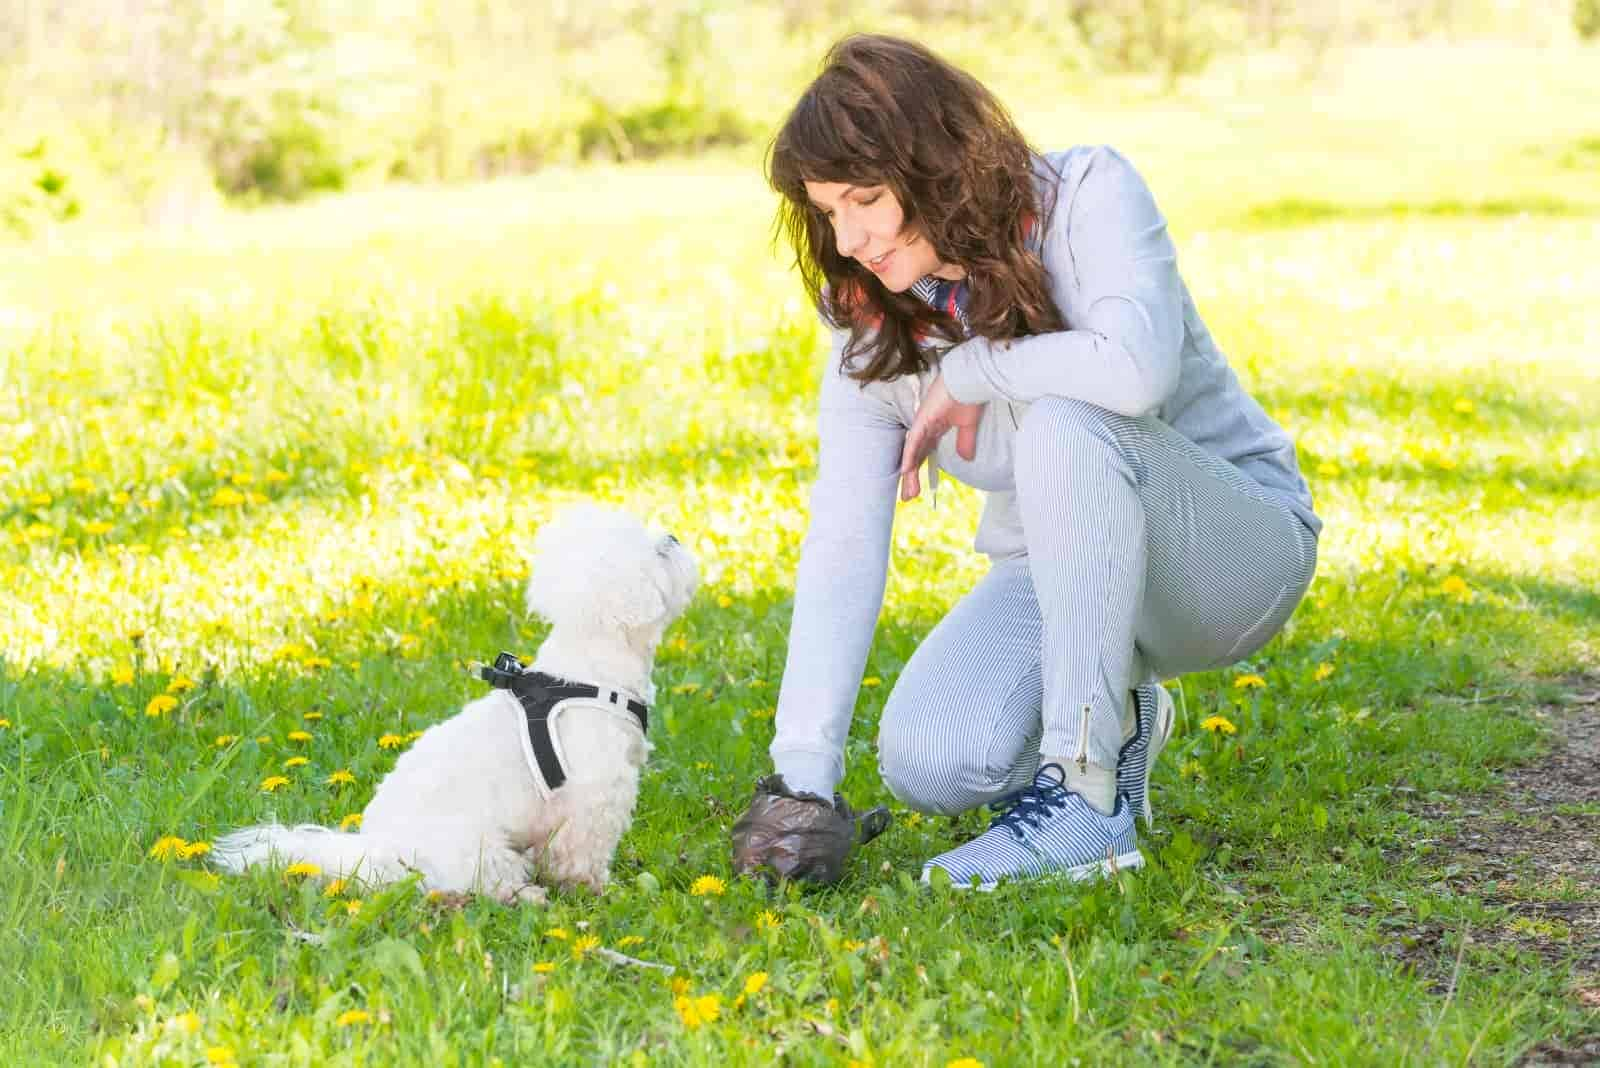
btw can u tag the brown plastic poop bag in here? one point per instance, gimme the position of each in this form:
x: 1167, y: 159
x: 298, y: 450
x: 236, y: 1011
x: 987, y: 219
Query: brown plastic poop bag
x: 803, y: 836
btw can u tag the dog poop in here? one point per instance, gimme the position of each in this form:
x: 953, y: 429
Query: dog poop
x: 798, y: 835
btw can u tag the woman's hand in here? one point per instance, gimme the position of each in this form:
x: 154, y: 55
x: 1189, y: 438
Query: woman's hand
x: 938, y: 412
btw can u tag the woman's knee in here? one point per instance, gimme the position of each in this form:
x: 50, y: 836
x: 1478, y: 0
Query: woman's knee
x: 933, y: 771
x: 1054, y: 428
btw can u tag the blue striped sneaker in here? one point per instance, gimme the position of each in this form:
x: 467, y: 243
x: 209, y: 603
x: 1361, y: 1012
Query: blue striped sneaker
x: 1139, y: 753
x: 1039, y: 831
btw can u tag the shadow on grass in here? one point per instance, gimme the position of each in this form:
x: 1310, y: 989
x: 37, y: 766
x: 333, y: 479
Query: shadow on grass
x: 1496, y: 401
x: 1294, y: 211
x: 94, y: 781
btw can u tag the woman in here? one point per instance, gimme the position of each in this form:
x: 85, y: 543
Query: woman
x: 1144, y: 516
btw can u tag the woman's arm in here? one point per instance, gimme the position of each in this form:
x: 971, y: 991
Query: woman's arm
x: 1110, y: 245
x: 839, y: 585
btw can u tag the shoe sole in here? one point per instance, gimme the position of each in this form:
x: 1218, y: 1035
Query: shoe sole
x: 1162, y: 728
x: 1081, y: 873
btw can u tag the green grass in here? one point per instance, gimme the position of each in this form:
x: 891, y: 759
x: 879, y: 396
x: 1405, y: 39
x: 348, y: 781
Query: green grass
x: 296, y: 460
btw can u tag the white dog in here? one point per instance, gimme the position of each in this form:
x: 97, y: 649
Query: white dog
x: 537, y: 780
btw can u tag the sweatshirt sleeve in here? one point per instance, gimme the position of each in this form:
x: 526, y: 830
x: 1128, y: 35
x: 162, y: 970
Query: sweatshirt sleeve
x: 1109, y: 246
x: 844, y: 561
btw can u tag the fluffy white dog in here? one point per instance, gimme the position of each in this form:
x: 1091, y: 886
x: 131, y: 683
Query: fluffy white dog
x: 537, y: 780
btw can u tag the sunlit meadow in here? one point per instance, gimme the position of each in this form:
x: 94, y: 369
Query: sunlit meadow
x: 264, y: 488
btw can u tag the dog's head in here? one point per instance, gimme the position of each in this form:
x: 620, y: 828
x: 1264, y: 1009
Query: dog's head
x: 600, y: 568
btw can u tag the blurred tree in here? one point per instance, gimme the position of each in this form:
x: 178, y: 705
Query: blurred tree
x: 1586, y: 19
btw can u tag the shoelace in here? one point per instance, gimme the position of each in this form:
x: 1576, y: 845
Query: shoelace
x: 1027, y: 806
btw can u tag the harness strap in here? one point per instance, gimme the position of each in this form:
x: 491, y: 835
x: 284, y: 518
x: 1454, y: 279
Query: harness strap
x: 539, y: 694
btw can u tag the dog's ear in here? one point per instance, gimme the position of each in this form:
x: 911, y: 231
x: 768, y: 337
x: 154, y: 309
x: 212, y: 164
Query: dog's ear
x: 634, y: 600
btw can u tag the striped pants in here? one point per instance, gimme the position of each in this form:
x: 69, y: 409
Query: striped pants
x: 1146, y: 558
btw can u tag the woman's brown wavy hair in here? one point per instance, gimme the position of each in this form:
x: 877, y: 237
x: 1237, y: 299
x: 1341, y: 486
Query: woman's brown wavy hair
x: 886, y: 111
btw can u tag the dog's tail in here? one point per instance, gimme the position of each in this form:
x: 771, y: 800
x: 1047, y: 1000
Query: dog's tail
x: 337, y: 855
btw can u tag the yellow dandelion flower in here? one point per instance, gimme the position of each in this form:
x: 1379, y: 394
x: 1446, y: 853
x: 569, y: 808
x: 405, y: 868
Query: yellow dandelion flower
x: 851, y: 945
x: 629, y: 940
x: 724, y: 601
x: 311, y: 717
x: 560, y: 933
x: 1324, y: 669
x: 159, y: 704
x: 222, y: 1055
x: 1249, y: 682
x: 679, y: 984
x: 686, y: 687
x: 289, y: 652
x: 96, y: 527
x: 167, y: 847
x: 342, y: 777
x: 122, y: 675
x: 314, y: 663
x: 871, y: 681
x: 227, y: 497
x: 351, y: 820
x: 304, y: 869
x: 1454, y: 586
x: 964, y: 1062
x: 299, y: 736
x: 697, y: 1011
x: 242, y: 478
x: 41, y: 500
x: 350, y: 1017
x: 121, y: 498
x: 707, y: 884
x: 583, y: 944
x: 194, y: 849
x: 391, y: 741
x: 1328, y: 469
x: 187, y: 1022
x: 272, y: 782
x: 1464, y: 406
x: 768, y: 920
x: 81, y: 485
x: 544, y: 967
x: 352, y: 906
x: 335, y: 888
x: 180, y: 684
x: 911, y: 819
x: 225, y: 740
x: 1218, y: 724
x: 276, y: 477
x: 413, y: 736
x: 754, y: 984
x: 295, y: 762
x: 5, y: 724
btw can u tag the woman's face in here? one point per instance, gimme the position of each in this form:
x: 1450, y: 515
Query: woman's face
x: 867, y: 223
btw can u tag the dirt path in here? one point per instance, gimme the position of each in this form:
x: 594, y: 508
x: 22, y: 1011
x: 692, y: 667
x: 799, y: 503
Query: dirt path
x: 1534, y: 849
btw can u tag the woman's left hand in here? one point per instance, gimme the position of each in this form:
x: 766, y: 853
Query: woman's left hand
x: 937, y: 413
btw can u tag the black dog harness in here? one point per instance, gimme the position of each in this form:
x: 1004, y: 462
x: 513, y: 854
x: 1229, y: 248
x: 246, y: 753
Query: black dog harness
x: 544, y: 698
